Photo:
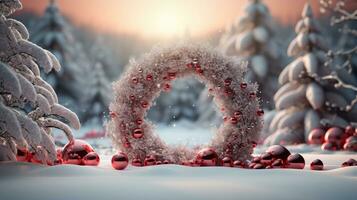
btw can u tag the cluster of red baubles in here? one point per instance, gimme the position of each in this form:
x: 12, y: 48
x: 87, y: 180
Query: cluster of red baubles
x: 277, y: 156
x: 23, y: 155
x: 77, y: 152
x: 334, y: 138
x: 80, y: 152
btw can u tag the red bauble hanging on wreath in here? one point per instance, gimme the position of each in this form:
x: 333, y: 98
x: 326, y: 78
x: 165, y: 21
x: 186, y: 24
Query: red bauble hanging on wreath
x: 153, y: 73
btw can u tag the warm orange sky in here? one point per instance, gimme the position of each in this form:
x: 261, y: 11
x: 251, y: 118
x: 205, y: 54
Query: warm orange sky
x: 158, y: 18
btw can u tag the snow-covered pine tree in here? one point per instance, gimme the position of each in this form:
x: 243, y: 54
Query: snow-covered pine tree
x: 101, y: 50
x: 180, y: 102
x: 28, y: 105
x: 305, y: 101
x: 343, y: 57
x: 54, y: 33
x: 98, y: 96
x: 252, y: 38
x: 209, y: 114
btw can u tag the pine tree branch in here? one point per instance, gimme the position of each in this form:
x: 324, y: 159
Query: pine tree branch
x: 340, y: 83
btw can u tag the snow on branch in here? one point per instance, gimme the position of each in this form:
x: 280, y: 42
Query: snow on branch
x: 339, y: 10
x: 9, y: 6
x: 340, y: 83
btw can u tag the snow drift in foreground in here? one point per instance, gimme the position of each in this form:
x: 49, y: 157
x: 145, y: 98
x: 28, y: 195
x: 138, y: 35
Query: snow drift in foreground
x: 29, y: 181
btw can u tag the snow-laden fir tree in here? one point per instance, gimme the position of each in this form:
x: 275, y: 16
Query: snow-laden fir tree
x: 54, y: 33
x: 343, y: 58
x: 252, y: 38
x: 98, y: 97
x: 101, y: 50
x: 180, y: 102
x: 305, y: 101
x: 28, y: 105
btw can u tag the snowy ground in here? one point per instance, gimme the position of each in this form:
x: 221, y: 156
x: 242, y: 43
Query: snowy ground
x: 29, y: 181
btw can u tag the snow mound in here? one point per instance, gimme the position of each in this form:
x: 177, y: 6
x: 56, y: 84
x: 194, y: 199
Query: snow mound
x: 27, y: 181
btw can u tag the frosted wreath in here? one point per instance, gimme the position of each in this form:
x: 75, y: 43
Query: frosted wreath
x: 147, y: 77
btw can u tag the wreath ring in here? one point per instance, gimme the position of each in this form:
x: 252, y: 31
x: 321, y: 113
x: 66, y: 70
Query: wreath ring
x: 147, y: 77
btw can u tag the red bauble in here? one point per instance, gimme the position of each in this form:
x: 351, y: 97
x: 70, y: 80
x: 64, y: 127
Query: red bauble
x: 112, y: 114
x: 144, y: 104
x: 138, y: 133
x: 59, y: 153
x: 74, y: 152
x: 126, y: 144
x: 335, y: 135
x: 149, y: 77
x: 260, y: 112
x: 234, y: 120
x: 351, y: 143
x: 132, y: 97
x: 237, y: 114
x: 259, y: 166
x: 228, y: 91
x: 198, y: 69
x: 278, y: 163
x: 22, y: 155
x: 92, y: 159
x: 172, y: 75
x: 194, y: 163
x: 139, y: 121
x: 73, y: 159
x: 278, y: 152
x: 256, y: 159
x: 316, y: 136
x: 251, y: 165
x: 252, y: 95
x: 150, y: 160
x: 254, y: 144
x: 136, y: 162
x: 243, y: 85
x: 58, y: 162
x: 330, y: 146
x: 296, y: 161
x: 134, y: 80
x: 268, y: 167
x: 207, y: 157
x: 227, y: 162
x: 266, y: 158
x: 167, y: 87
x: 227, y: 82
x: 350, y: 162
x: 238, y: 164
x: 186, y: 163
x: 120, y: 161
x: 316, y: 165
x: 349, y: 130
x: 189, y: 65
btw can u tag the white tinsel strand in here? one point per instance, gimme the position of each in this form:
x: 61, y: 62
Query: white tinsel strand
x: 146, y: 78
